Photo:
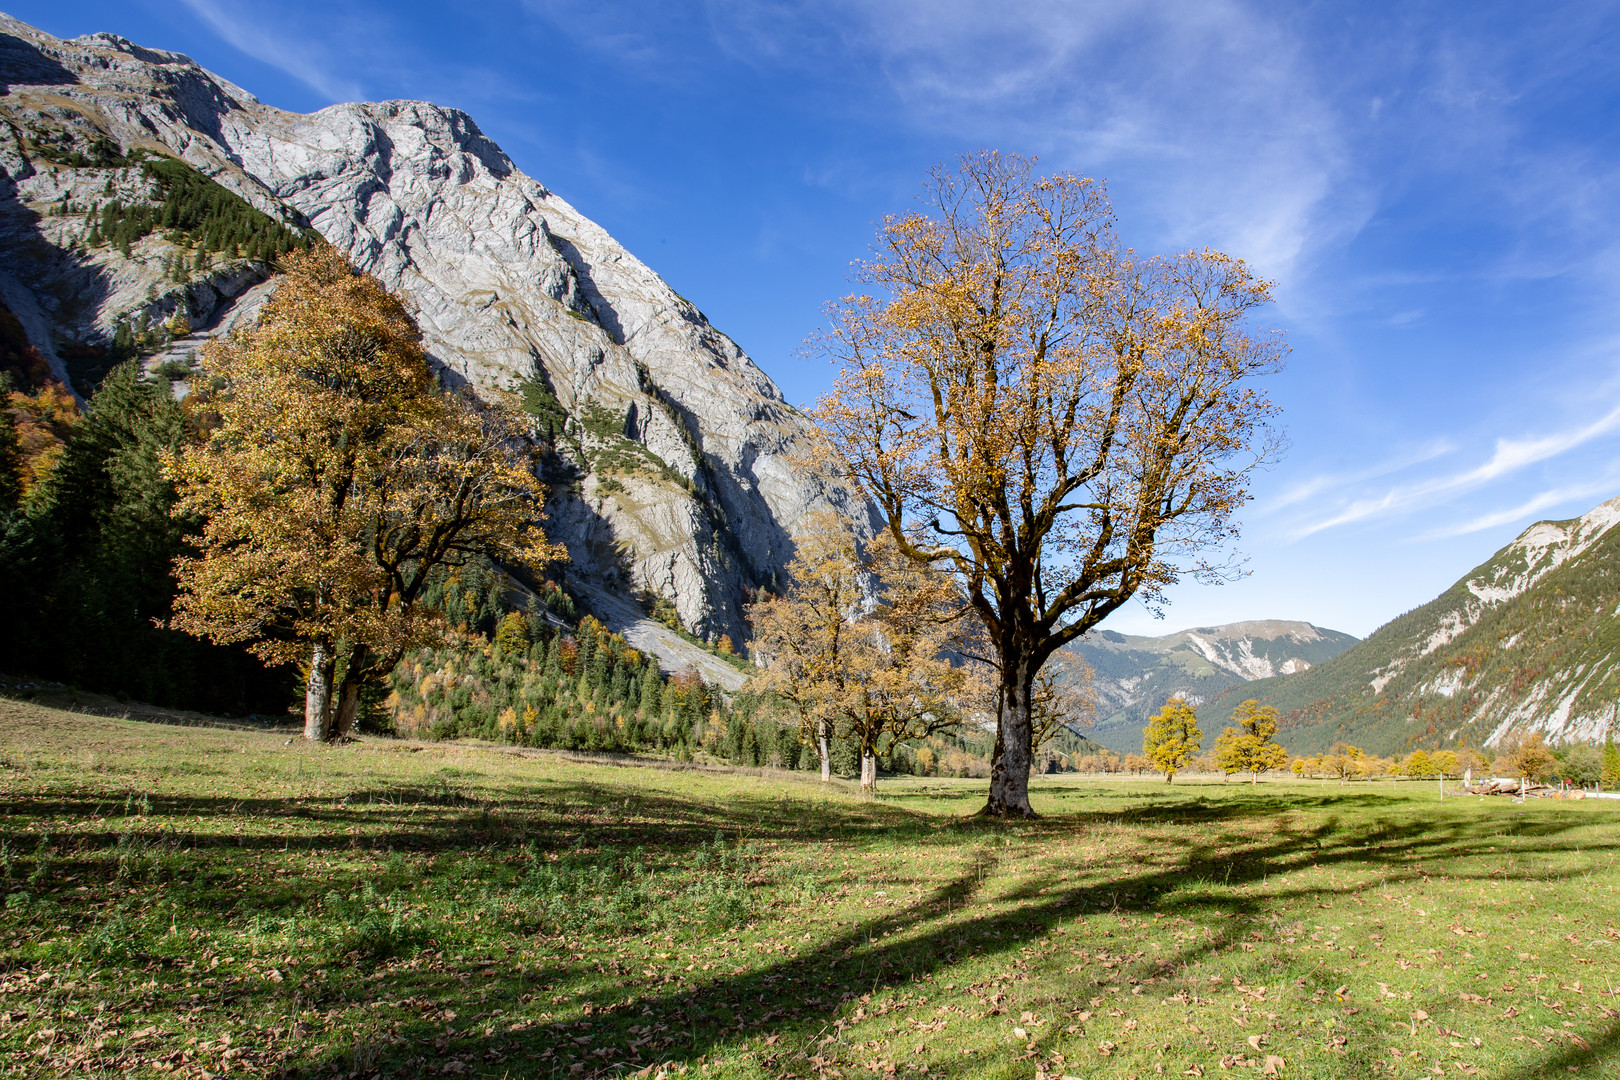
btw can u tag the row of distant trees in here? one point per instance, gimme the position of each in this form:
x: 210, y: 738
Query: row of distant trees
x: 1528, y: 757
x: 1172, y: 741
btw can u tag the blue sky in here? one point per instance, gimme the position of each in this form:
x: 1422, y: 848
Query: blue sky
x: 1434, y: 187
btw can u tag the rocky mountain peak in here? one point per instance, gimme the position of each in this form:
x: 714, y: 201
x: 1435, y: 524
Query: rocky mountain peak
x: 680, y: 470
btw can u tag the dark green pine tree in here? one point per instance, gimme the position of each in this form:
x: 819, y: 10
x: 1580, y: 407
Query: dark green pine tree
x: 601, y: 666
x: 587, y: 650
x: 652, y: 693
x: 10, y: 455
x: 103, y: 542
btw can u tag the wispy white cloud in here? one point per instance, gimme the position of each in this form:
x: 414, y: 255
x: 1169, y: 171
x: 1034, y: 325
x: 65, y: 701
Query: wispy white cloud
x: 1510, y: 456
x: 1210, y: 112
x: 1307, y: 489
x: 1546, y: 500
x: 1211, y: 108
x: 299, y: 57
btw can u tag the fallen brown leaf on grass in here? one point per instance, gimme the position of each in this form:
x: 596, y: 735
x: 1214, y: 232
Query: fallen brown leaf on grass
x: 1273, y: 1066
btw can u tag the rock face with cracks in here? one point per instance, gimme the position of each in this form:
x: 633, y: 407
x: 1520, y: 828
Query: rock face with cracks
x: 679, y: 471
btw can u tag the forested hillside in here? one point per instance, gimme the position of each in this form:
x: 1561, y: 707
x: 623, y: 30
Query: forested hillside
x: 1135, y: 675
x: 86, y: 542
x: 1528, y: 641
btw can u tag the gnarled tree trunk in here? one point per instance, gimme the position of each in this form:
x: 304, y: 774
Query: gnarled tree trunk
x: 868, y: 771
x: 824, y: 744
x: 1009, y: 767
x: 348, y: 708
x: 318, y: 694
x: 355, y: 673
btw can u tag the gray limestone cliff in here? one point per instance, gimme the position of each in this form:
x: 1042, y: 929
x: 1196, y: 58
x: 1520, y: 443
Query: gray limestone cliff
x: 680, y: 468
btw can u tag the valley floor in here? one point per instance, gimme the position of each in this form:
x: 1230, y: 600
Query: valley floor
x: 194, y: 901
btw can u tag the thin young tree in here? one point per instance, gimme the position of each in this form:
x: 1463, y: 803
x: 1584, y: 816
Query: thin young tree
x: 1061, y: 423
x: 334, y: 480
x: 802, y: 638
x: 909, y: 679
x: 1342, y: 760
x: 864, y: 645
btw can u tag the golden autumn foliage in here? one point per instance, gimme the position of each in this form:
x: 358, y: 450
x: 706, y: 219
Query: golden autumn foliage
x: 1065, y: 424
x: 1172, y: 737
x: 1247, y: 746
x: 861, y: 645
x: 334, y: 478
x: 43, y: 421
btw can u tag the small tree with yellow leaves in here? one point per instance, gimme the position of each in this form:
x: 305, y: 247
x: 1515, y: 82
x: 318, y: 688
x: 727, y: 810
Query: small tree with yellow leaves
x: 862, y: 645
x: 1247, y: 747
x: 1172, y: 738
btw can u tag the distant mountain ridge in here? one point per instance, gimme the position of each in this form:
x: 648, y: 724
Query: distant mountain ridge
x: 1135, y: 675
x: 1528, y: 641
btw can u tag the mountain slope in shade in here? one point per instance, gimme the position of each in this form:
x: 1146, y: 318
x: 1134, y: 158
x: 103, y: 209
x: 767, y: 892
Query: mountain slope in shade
x: 1528, y: 641
x: 678, y: 469
x: 1135, y: 675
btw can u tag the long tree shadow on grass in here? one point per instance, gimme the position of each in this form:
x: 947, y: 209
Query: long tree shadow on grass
x: 444, y: 817
x: 799, y: 999
x: 431, y: 817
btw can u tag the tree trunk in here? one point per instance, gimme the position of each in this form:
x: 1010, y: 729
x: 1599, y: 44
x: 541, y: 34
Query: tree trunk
x: 318, y: 695
x: 824, y: 744
x: 348, y: 709
x: 1009, y: 768
x: 868, y: 771
x: 1169, y: 777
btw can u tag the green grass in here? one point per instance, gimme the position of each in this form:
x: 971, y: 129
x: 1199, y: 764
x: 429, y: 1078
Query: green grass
x: 182, y: 901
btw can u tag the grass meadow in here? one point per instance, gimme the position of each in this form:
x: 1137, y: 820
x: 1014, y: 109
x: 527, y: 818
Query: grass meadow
x: 193, y: 901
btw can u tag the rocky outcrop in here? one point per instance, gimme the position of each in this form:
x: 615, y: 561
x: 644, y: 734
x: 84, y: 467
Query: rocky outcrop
x: 680, y: 471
